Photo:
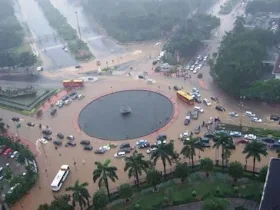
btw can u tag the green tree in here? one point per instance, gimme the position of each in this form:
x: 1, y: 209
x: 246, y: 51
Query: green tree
x: 135, y: 165
x: 255, y: 149
x: 103, y: 173
x: 27, y: 59
x: 99, y: 200
x: 224, y: 141
x: 190, y: 147
x: 153, y: 178
x: 181, y: 171
x: 206, y: 164
x: 165, y: 152
x: 236, y: 170
x: 80, y: 194
x: 262, y: 174
x: 8, y: 173
x: 59, y: 203
x: 125, y: 191
x: 215, y: 204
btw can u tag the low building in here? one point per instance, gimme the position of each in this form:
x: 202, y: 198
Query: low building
x: 270, y: 198
x: 276, y: 70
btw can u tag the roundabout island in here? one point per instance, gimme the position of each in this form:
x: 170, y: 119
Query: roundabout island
x: 126, y: 114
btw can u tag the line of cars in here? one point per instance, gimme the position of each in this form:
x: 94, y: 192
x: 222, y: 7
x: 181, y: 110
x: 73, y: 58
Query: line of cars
x: 8, y: 152
x: 196, y: 65
x: 67, y: 99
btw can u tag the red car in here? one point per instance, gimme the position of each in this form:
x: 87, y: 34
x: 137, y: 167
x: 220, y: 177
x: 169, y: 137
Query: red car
x: 7, y: 151
x: 242, y: 141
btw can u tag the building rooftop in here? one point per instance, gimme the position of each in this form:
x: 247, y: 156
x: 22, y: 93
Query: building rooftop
x: 270, y: 199
x: 276, y: 69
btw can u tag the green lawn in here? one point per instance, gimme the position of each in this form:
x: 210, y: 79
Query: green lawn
x: 182, y: 193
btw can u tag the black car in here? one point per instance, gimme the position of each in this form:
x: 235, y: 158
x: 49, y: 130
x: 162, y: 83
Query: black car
x: 88, y: 147
x: 15, y: 119
x: 197, y: 100
x: 47, y: 132
x: 78, y: 66
x: 85, y: 142
x: 70, y: 143
x: 125, y: 145
x: 176, y: 87
x: 126, y: 150
x: 187, y: 121
x: 209, y: 135
x: 48, y: 138
x: 274, y: 117
x: 30, y: 124
x: 60, y: 135
x: 53, y: 112
x: 64, y: 98
x: 268, y: 140
x: 161, y: 137
x: 99, y: 151
x: 73, y: 93
x: 141, y: 77
x: 57, y: 143
x: 220, y: 108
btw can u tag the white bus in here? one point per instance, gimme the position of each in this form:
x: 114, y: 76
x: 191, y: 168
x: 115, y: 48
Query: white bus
x: 60, y: 177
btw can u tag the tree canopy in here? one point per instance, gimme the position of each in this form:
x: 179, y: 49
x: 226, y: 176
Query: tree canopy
x: 127, y: 20
x: 189, y: 37
x: 239, y: 62
x: 256, y: 6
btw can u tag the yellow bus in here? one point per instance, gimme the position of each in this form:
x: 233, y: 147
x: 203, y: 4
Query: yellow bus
x: 185, y: 96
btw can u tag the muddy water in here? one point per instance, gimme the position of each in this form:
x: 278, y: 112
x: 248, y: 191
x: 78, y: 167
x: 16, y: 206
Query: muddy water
x: 65, y: 122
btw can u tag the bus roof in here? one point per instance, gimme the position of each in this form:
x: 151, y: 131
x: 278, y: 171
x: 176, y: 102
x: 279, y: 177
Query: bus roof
x: 64, y: 167
x: 75, y: 80
x: 184, y: 94
x: 57, y: 178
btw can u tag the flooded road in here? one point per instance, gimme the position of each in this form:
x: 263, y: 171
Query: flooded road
x: 44, y: 37
x: 99, y: 44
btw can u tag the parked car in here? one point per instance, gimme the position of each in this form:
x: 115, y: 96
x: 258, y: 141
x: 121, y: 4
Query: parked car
x: 59, y: 102
x: 126, y: 150
x: 141, y: 144
x: 99, y: 151
x: 220, y: 108
x: 199, y: 109
x: 242, y: 141
x: 85, y: 142
x: 268, y: 140
x: 209, y: 135
x: 57, y: 143
x: 30, y: 124
x: 235, y: 134
x: 81, y: 96
x: 67, y: 102
x: 60, y: 135
x: 206, y: 102
x: 176, y: 87
x: 14, y: 154
x: 214, y: 98
x: 185, y: 135
x: 53, y: 112
x: 187, y: 120
x: 48, y: 138
x: 15, y: 119
x: 197, y: 130
x: 274, y: 118
x: 119, y: 155
x: 151, y: 150
x: 250, y: 114
x: 161, y: 137
x: 141, y: 77
x: 73, y: 93
x: 70, y: 143
x: 233, y: 114
x: 275, y: 146
x: 7, y: 152
x: 74, y: 97
x: 47, y: 132
x: 250, y: 137
x: 64, y: 98
x: 195, y: 115
x: 197, y: 99
x: 125, y: 145
x: 70, y: 137
x: 256, y: 119
x: 88, y: 147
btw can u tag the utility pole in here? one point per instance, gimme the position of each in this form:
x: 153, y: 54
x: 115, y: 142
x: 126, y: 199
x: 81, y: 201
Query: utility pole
x: 78, y: 25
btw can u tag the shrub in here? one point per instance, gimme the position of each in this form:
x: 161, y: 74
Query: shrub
x: 125, y: 191
x: 194, y: 193
x: 206, y: 164
x: 181, y: 171
x: 215, y: 204
x: 236, y: 170
x: 262, y: 174
x: 99, y: 199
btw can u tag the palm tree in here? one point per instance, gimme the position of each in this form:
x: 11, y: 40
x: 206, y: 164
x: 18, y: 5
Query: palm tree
x: 103, y: 172
x: 190, y: 146
x: 135, y: 165
x: 255, y: 149
x: 224, y: 141
x: 165, y: 152
x: 80, y: 194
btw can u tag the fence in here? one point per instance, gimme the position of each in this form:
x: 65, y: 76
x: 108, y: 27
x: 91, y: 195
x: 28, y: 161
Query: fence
x: 170, y: 172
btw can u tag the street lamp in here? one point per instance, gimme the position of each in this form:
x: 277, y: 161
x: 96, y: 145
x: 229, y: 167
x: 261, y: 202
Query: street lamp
x: 78, y: 25
x: 241, y: 99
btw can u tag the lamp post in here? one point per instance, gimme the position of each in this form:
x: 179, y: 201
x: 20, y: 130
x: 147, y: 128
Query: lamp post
x: 78, y: 25
x: 241, y: 99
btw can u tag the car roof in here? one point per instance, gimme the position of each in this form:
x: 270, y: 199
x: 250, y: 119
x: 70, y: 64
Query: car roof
x: 121, y: 153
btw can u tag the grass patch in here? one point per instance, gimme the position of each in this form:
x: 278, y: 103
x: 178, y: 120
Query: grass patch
x: 182, y: 193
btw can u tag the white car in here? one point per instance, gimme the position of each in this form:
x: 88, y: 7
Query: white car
x: 233, y: 114
x: 149, y: 151
x: 194, y: 90
x: 195, y: 71
x: 141, y: 141
x: 58, y: 103
x: 15, y: 153
x: 80, y: 96
x: 119, y: 155
x: 250, y: 137
x: 235, y: 134
x: 187, y: 67
x: 185, y: 135
x: 191, y: 69
x: 206, y: 102
x: 250, y: 114
x: 43, y: 141
x: 199, y: 66
x: 70, y: 137
x: 256, y: 119
x: 205, y: 58
x: 151, y: 81
x: 67, y: 102
x: 106, y: 148
x: 159, y: 142
x: 197, y: 108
